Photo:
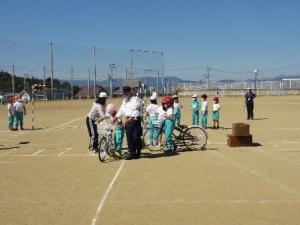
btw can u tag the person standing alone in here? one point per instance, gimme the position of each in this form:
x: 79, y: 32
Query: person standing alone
x: 249, y: 101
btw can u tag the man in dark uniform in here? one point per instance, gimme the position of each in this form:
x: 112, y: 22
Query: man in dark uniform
x: 249, y: 101
x: 130, y: 108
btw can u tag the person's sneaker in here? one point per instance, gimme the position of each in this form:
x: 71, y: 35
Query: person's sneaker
x: 117, y: 155
x: 93, y: 151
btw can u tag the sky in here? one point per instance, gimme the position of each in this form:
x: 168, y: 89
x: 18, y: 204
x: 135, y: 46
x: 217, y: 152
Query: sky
x: 227, y: 35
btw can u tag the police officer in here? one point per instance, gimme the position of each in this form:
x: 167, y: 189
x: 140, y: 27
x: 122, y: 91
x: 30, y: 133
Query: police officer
x: 130, y: 108
x: 249, y: 101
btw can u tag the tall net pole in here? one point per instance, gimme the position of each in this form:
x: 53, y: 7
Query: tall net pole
x: 52, y: 70
x: 13, y: 80
x: 95, y: 70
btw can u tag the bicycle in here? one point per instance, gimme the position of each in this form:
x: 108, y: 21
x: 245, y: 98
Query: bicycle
x: 106, y: 143
x: 192, y: 137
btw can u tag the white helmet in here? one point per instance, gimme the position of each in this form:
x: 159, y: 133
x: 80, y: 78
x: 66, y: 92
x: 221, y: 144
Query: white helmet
x: 102, y: 95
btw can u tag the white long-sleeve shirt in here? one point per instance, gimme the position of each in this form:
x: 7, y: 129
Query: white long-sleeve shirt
x: 97, y: 111
x: 19, y: 106
x: 204, y: 106
x: 130, y: 107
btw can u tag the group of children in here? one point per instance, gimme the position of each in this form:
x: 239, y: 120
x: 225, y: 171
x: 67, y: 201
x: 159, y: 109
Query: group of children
x: 16, y: 111
x: 166, y: 116
x: 169, y: 114
x: 196, y: 106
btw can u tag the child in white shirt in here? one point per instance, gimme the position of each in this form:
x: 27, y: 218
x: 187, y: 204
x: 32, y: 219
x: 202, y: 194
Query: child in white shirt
x: 169, y: 123
x: 152, y: 121
x: 204, y: 111
x: 11, y: 113
x: 216, y: 112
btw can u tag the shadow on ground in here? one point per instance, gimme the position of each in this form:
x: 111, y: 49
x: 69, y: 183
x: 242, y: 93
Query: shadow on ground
x: 158, y: 155
x: 8, y: 148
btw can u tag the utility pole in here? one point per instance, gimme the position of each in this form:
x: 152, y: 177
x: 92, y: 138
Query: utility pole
x: 255, y: 74
x: 163, y: 72
x: 13, y: 80
x: 110, y: 77
x: 72, y: 76
x: 208, y: 69
x: 52, y: 70
x: 88, y: 87
x: 95, y: 70
x: 44, y: 70
x: 24, y: 85
x: 131, y: 64
x: 157, y: 82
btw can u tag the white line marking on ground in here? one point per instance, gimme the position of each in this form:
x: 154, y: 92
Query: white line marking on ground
x: 279, y: 157
x: 63, y: 152
x: 277, y: 128
x: 252, y: 171
x: 53, y: 128
x: 228, y: 201
x: 39, y: 151
x: 63, y: 124
x: 31, y: 155
x: 6, y: 153
x: 103, y: 199
x: 282, y: 142
x: 216, y: 143
x: 5, y: 162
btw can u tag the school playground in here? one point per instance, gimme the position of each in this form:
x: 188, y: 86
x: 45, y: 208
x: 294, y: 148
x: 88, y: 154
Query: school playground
x: 47, y: 176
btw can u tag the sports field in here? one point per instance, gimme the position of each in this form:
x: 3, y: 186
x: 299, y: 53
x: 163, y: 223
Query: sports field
x: 47, y: 175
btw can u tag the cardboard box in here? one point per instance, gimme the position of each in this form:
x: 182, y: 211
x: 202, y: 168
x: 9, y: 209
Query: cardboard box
x: 240, y: 129
x: 236, y: 141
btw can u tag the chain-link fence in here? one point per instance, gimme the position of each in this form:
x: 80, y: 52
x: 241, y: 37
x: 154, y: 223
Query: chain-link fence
x: 74, y: 66
x: 276, y: 87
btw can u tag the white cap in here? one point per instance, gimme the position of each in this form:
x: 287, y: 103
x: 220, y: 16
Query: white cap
x: 153, y: 97
x: 102, y: 95
x: 194, y: 96
x: 174, y: 96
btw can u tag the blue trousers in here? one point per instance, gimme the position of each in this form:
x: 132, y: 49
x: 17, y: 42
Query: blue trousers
x: 10, y: 121
x: 168, y: 129
x: 204, y: 119
x: 195, y: 118
x: 152, y: 132
x: 118, y: 139
x: 19, y: 119
x: 177, y: 117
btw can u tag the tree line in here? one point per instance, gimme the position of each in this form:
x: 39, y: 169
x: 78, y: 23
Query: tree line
x: 20, y: 84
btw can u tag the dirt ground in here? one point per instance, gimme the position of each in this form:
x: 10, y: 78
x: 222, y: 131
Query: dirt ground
x: 48, y: 177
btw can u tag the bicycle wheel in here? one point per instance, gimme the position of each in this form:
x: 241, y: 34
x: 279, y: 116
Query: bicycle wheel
x: 102, y: 149
x: 195, y: 138
x: 157, y: 142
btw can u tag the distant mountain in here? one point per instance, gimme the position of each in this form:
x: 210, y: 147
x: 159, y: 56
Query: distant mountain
x: 150, y: 81
x: 282, y: 76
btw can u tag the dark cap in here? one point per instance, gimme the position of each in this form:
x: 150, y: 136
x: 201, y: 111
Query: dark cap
x: 126, y: 89
x: 204, y: 96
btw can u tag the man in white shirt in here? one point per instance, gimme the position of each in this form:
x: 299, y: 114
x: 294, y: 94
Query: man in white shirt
x: 130, y: 109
